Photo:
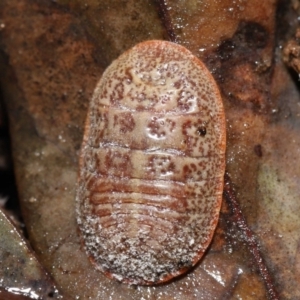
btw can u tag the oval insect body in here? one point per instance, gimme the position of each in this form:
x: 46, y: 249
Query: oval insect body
x: 151, y: 165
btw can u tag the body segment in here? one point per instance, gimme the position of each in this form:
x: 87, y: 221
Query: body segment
x: 152, y: 165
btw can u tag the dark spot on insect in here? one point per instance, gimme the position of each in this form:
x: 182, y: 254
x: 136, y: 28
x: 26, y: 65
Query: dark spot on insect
x: 159, y: 274
x: 184, y: 264
x: 258, y: 150
x: 123, y: 240
x: 128, y: 75
x: 132, y: 286
x: 201, y: 130
x: 51, y: 294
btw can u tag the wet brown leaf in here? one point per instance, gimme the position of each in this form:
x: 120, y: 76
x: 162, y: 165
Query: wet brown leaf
x: 53, y: 55
x: 20, y: 272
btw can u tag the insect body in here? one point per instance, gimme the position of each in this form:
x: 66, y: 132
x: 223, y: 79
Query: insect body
x: 152, y: 165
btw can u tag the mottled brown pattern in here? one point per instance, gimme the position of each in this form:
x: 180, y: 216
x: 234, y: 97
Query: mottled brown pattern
x: 152, y: 165
x: 124, y: 121
x: 157, y: 127
x: 117, y: 164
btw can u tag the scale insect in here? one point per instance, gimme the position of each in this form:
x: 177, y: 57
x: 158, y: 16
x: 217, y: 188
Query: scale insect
x: 152, y: 164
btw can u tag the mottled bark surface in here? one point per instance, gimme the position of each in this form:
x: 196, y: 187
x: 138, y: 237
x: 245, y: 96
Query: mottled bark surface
x: 53, y: 54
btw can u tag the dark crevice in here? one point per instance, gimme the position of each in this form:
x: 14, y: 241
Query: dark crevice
x: 249, y: 237
x: 166, y: 20
x: 240, y: 70
x: 286, y: 21
x: 8, y: 189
